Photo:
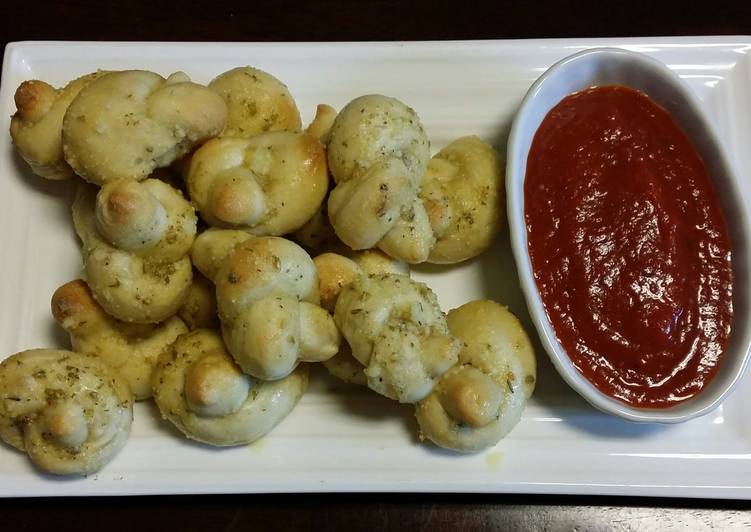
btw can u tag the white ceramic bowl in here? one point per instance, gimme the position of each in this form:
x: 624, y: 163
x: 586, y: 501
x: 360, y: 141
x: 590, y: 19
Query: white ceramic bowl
x: 609, y: 66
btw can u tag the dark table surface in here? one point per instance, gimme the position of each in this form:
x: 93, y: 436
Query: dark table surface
x: 338, y: 20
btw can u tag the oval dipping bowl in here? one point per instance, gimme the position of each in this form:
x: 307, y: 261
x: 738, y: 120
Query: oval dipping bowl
x: 612, y: 66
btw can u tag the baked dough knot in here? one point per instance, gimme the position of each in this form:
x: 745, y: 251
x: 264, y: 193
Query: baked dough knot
x: 136, y: 239
x: 460, y: 202
x: 267, y: 294
x: 127, y: 124
x: 317, y: 234
x: 201, y: 390
x: 198, y: 310
x: 36, y: 127
x: 270, y: 184
x: 378, y: 152
x: 257, y: 102
x: 336, y: 271
x: 212, y: 246
x: 463, y: 194
x: 397, y: 331
x: 71, y: 413
x: 131, y: 349
x: 480, y: 399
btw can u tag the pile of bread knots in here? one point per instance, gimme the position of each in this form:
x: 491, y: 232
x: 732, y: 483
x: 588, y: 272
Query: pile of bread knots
x: 198, y: 209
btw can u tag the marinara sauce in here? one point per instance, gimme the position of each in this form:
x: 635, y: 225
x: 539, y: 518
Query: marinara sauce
x: 629, y: 247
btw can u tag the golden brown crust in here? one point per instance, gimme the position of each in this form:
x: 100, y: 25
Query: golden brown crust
x: 122, y: 205
x: 130, y: 349
x: 334, y: 272
x: 213, y: 246
x: 270, y: 184
x: 36, y: 127
x: 33, y: 99
x: 317, y: 234
x: 320, y: 127
x: 267, y: 293
x: 73, y: 305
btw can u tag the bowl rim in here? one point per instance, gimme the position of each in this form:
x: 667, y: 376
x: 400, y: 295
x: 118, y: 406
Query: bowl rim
x: 518, y: 233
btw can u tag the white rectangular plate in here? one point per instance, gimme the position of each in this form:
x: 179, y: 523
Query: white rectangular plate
x: 343, y: 438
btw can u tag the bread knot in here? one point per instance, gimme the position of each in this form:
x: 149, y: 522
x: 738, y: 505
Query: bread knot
x: 130, y: 348
x: 200, y: 389
x: 270, y: 184
x: 377, y: 153
x: 70, y: 412
x: 36, y: 127
x: 480, y: 399
x: 398, y: 333
x: 136, y: 239
x: 127, y: 124
x: 267, y: 294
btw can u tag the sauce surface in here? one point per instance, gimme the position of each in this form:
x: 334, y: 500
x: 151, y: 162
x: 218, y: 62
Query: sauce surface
x: 629, y: 247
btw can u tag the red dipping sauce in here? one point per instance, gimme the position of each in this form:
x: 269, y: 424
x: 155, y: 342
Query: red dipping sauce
x: 629, y: 248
